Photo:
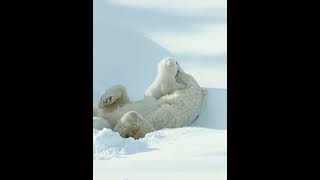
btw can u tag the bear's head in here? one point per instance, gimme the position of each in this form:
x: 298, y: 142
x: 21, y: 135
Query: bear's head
x: 168, y: 66
x: 113, y: 97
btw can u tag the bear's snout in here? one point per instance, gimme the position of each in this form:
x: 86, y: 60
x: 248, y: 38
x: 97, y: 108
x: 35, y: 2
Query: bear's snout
x: 107, y: 99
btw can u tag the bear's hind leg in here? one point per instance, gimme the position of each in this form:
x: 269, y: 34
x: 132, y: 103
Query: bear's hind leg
x: 132, y: 125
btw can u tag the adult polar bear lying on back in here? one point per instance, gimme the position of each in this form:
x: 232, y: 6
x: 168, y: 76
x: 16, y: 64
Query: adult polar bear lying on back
x: 135, y: 119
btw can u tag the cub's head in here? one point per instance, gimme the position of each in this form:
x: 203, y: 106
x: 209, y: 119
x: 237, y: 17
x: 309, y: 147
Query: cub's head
x: 168, y: 66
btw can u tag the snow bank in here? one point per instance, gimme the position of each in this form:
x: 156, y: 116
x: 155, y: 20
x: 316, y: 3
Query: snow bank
x: 179, y: 143
x: 188, y: 153
x: 108, y: 144
x: 214, y: 110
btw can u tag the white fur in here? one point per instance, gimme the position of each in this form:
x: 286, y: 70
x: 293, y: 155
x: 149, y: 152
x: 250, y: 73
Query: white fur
x: 100, y: 123
x: 135, y: 119
x: 165, y: 82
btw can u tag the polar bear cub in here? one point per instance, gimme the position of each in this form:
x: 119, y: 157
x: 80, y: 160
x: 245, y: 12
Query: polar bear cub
x: 165, y: 82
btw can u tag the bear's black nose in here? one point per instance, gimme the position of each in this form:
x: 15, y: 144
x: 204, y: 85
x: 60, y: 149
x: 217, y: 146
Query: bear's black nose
x: 108, y: 99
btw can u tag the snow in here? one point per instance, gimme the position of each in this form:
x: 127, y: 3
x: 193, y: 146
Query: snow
x: 126, y: 51
x: 214, y: 110
x: 187, y: 153
x: 162, y: 144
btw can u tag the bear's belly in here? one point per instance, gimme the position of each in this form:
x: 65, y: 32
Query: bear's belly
x: 143, y: 107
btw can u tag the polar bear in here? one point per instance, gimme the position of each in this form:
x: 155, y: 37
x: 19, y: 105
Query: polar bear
x: 100, y: 123
x: 135, y: 119
x: 165, y: 82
